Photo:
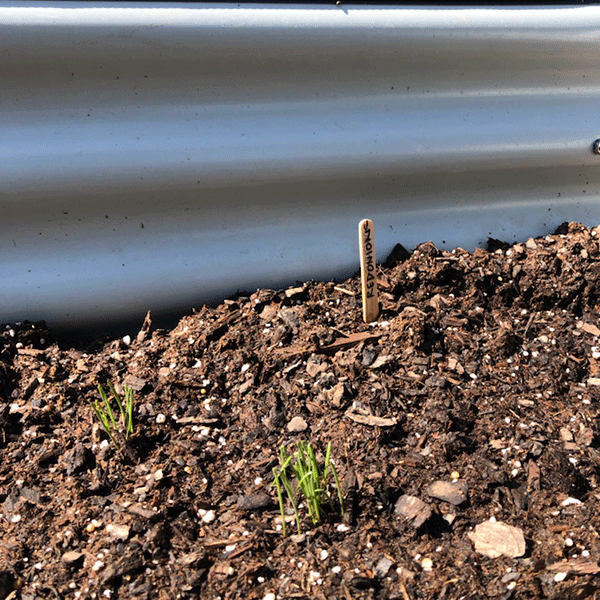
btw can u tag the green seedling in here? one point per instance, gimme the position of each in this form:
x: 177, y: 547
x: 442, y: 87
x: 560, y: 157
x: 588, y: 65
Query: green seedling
x: 311, y: 483
x: 106, y: 415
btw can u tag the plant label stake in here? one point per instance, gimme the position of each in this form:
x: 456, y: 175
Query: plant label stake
x: 368, y: 272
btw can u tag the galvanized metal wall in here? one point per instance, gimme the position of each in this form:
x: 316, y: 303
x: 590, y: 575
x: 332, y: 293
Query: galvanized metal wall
x: 158, y: 156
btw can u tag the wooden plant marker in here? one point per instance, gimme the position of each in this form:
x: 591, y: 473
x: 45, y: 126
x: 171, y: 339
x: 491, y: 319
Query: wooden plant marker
x: 368, y: 271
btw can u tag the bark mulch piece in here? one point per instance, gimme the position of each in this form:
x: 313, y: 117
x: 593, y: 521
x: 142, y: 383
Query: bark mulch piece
x: 474, y: 399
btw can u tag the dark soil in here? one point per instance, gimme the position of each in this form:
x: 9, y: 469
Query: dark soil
x: 481, y: 376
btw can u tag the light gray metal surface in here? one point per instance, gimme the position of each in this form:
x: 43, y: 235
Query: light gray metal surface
x: 158, y: 156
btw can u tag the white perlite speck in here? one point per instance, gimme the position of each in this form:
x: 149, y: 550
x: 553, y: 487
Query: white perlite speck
x: 207, y: 516
x: 571, y: 502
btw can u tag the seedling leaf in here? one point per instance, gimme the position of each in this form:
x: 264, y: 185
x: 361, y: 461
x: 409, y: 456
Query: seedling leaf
x: 311, y: 482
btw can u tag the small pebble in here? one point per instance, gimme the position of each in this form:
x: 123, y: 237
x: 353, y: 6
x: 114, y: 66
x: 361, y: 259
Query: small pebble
x: 249, y: 502
x: 119, y: 532
x: 296, y: 425
x: 384, y: 564
x: 495, y: 538
x: 71, y: 557
x: 413, y: 509
x: 454, y: 492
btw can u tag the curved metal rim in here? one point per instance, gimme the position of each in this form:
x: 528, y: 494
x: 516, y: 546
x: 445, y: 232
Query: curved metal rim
x: 158, y: 156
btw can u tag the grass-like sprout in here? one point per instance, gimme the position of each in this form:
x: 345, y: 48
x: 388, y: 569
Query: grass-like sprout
x: 106, y: 415
x: 311, y: 482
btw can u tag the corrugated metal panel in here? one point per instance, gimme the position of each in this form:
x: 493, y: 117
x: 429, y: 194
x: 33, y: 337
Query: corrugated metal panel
x: 157, y: 156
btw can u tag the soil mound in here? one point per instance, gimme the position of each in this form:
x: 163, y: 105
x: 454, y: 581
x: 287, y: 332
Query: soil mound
x: 463, y: 426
